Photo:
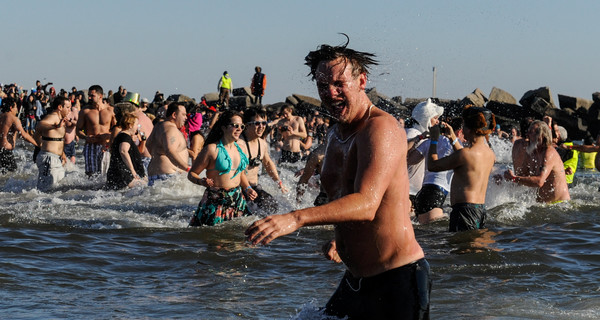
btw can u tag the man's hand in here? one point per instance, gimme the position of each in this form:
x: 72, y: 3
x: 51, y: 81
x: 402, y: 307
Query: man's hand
x: 330, y: 252
x: 509, y: 175
x: 272, y: 227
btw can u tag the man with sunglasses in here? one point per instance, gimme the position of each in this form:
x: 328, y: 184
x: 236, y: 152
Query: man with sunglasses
x: 257, y: 150
x: 168, y: 146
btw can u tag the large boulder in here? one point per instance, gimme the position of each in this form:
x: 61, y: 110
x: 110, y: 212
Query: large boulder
x: 531, y: 96
x: 211, y: 97
x: 476, y: 98
x: 502, y: 96
x: 240, y: 102
x: 540, y: 106
x: 291, y: 100
x: 180, y: 98
x: 306, y: 105
x: 386, y: 104
x: 574, y: 103
x: 243, y: 92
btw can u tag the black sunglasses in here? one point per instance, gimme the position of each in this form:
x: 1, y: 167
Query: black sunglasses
x: 257, y: 123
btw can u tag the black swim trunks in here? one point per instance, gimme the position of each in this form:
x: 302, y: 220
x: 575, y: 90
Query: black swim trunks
x: 291, y: 157
x: 428, y: 198
x: 401, y: 293
x: 265, y: 200
x: 7, y: 161
x: 467, y: 216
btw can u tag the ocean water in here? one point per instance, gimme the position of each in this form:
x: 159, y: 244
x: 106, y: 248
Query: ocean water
x: 81, y: 252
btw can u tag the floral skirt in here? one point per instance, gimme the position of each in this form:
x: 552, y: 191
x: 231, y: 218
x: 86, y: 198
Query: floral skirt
x: 218, y: 205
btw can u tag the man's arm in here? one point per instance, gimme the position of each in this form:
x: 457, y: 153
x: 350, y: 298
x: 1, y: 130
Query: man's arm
x: 449, y: 162
x: 80, y: 127
x: 535, y: 181
x: 381, y: 146
x: 24, y: 134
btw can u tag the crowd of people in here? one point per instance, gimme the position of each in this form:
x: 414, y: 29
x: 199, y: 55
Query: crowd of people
x: 377, y: 178
x: 129, y: 141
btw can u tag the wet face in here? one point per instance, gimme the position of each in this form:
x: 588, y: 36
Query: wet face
x: 339, y: 90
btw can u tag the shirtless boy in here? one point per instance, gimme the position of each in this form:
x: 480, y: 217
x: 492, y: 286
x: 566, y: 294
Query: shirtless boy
x: 167, y: 146
x: 292, y: 131
x: 472, y: 166
x: 9, y: 126
x: 94, y: 124
x: 50, y: 131
x: 365, y: 177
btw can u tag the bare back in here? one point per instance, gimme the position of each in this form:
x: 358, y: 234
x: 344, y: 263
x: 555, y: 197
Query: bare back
x: 471, y: 176
x: 9, y: 125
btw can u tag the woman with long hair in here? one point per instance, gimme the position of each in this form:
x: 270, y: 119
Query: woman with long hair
x: 225, y: 165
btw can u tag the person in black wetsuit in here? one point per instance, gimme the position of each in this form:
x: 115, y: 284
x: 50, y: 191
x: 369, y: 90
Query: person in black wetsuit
x: 126, y: 168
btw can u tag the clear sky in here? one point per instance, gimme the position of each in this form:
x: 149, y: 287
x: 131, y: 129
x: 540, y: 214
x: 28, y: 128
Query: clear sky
x: 183, y: 47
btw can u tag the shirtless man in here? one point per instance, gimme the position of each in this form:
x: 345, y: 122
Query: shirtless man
x: 50, y: 132
x: 472, y: 166
x: 540, y: 165
x: 364, y: 175
x: 9, y: 125
x: 71, y: 132
x: 94, y: 124
x: 257, y: 150
x: 292, y: 131
x: 167, y: 146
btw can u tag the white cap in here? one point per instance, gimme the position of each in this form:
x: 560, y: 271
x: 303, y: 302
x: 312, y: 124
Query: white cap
x: 423, y: 113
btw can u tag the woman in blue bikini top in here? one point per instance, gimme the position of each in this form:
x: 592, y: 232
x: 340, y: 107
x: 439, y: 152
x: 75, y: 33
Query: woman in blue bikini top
x: 222, y: 157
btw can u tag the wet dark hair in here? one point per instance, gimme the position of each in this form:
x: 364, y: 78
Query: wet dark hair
x: 457, y: 123
x: 216, y: 133
x: 360, y: 61
x: 7, y: 103
x: 97, y: 88
x: 58, y: 101
x: 253, y: 112
x: 173, y: 108
x: 479, y: 119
